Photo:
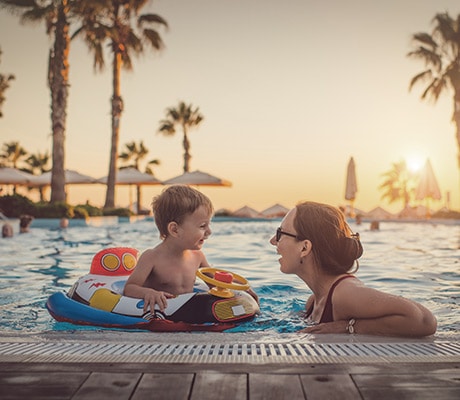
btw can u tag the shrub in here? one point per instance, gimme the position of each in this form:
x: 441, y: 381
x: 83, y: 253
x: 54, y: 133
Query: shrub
x: 54, y: 210
x: 119, y: 212
x: 13, y: 206
x: 92, y: 211
x: 80, y: 212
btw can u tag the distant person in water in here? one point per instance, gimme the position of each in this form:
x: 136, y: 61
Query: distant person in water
x: 24, y: 223
x: 317, y: 245
x: 7, y: 230
x: 375, y: 225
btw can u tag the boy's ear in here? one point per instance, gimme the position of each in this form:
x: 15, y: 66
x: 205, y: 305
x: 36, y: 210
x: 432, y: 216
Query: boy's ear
x: 173, y: 228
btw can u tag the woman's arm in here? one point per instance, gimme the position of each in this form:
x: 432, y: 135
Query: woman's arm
x: 376, y: 313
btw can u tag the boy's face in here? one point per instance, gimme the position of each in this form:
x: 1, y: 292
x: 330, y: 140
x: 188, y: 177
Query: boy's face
x: 196, y: 228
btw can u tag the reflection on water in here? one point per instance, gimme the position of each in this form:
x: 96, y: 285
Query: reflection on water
x: 420, y: 261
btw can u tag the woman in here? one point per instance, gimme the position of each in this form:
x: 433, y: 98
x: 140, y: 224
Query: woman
x: 317, y: 245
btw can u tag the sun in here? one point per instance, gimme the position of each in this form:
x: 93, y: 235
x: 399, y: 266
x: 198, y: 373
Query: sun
x: 414, y: 162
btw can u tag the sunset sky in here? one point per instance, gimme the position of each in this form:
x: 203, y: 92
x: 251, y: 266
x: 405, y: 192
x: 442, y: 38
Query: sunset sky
x: 290, y: 90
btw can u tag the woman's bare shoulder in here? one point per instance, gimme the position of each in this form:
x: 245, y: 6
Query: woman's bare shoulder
x: 354, y: 298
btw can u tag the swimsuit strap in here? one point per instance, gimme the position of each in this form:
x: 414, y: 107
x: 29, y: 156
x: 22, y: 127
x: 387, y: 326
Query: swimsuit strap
x: 310, y: 310
x: 327, y: 312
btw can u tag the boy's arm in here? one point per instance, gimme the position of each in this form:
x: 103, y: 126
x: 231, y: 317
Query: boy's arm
x: 135, y: 286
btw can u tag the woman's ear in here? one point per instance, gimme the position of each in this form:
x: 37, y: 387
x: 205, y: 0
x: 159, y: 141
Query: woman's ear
x: 173, y: 228
x: 306, y: 249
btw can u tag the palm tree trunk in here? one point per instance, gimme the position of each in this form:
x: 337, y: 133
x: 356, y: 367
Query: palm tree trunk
x: 117, y: 108
x: 138, y: 193
x: 58, y: 69
x: 187, y: 156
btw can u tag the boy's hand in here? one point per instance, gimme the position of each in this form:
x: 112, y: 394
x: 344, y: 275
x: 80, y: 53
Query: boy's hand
x: 153, y: 297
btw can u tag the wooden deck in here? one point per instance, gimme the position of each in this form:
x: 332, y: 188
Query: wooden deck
x: 135, y: 366
x: 189, y: 381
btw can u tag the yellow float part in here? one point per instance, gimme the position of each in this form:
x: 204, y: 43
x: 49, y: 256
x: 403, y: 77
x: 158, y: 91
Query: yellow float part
x: 230, y: 309
x: 104, y: 299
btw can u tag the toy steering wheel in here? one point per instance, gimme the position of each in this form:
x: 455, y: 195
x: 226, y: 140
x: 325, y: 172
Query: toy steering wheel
x: 222, y: 281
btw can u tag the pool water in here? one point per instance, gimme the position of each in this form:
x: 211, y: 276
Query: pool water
x: 420, y: 261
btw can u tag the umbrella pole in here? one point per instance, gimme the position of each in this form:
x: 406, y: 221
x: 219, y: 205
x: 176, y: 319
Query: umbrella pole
x: 427, y: 213
x: 131, y: 198
x: 352, y: 208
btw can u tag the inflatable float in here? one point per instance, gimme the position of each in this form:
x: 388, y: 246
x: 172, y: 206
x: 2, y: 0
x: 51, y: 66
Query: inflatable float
x: 97, y: 299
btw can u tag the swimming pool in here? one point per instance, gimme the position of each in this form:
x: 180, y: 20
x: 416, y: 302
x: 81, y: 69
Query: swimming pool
x: 420, y: 261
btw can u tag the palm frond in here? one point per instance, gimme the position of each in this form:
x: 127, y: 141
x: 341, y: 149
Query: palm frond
x: 445, y: 27
x: 421, y: 77
x: 434, y: 89
x: 166, y: 128
x: 428, y: 56
x: 151, y: 19
x: 153, y: 38
x: 424, y: 38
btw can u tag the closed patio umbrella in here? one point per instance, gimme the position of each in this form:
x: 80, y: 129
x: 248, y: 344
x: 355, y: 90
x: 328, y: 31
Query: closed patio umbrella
x: 428, y: 187
x: 351, y: 187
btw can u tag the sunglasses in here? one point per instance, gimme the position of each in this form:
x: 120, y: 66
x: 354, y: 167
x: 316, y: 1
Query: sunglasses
x: 280, y: 232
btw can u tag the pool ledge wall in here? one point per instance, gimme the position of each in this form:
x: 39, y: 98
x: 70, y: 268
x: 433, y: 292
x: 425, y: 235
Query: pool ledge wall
x: 232, y: 348
x: 54, y: 223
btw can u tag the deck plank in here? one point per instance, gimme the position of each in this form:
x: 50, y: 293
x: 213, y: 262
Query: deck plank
x: 219, y: 386
x: 164, y: 386
x: 275, y: 387
x: 39, y: 385
x: 329, y: 386
x: 408, y: 380
x: 195, y: 381
x: 410, y: 393
x: 108, y: 385
x: 409, y: 385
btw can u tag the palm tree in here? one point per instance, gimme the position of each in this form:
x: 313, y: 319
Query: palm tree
x: 38, y: 164
x: 137, y: 152
x: 134, y: 153
x: 4, y: 85
x: 186, y: 117
x: 132, y: 156
x: 12, y: 154
x: 440, y: 53
x: 399, y: 184
x: 55, y: 14
x: 112, y: 20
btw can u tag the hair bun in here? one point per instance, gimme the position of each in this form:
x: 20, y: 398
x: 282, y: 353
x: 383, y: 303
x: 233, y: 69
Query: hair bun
x: 352, y: 248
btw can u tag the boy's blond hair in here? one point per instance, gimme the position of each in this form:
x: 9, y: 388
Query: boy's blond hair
x: 175, y: 203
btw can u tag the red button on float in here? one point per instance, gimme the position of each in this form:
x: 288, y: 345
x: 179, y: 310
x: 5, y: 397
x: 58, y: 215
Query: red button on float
x: 223, y: 277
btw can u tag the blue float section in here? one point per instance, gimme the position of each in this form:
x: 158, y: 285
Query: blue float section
x: 64, y: 308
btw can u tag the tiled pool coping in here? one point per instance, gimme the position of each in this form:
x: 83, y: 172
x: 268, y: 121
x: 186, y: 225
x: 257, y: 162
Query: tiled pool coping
x: 218, y: 348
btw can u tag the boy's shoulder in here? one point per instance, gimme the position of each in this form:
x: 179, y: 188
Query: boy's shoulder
x: 151, y: 252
